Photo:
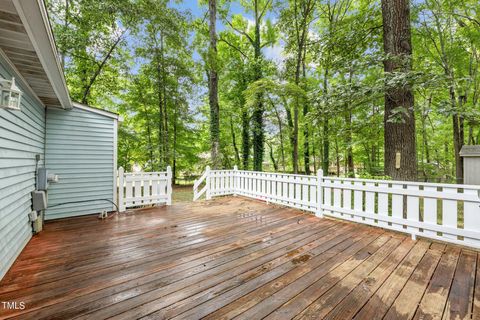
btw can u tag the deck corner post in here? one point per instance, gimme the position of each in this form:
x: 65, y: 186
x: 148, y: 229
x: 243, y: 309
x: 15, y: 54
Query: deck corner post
x: 121, y: 198
x: 208, y: 195
x: 169, y: 186
x: 319, y: 211
x: 235, y: 180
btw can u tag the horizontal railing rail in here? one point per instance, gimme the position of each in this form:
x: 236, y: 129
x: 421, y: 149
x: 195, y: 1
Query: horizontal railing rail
x: 448, y: 212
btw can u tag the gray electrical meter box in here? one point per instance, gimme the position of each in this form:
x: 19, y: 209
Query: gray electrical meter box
x: 42, y: 179
x: 471, y: 164
x: 39, y: 200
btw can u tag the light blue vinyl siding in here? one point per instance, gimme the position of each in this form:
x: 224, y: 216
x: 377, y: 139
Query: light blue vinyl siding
x: 22, y: 136
x: 80, y: 150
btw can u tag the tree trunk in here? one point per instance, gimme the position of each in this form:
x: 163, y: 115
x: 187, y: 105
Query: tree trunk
x: 326, y: 147
x: 174, y: 160
x: 245, y: 140
x: 291, y: 134
x: 149, y: 139
x: 314, y: 156
x: 426, y: 147
x: 306, y: 144
x: 162, y: 104
x: 326, y: 142
x: 349, y: 164
x: 65, y: 26
x: 234, y: 143
x: 471, y: 138
x: 349, y: 141
x: 213, y: 87
x: 161, y: 151
x: 337, y: 156
x: 399, y: 135
x: 294, y: 138
x: 99, y: 69
x: 257, y: 117
x: 457, y: 136
x: 272, y: 158
x: 280, y: 132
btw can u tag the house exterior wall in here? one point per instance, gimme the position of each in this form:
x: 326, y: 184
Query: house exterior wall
x: 22, y: 135
x: 81, y: 150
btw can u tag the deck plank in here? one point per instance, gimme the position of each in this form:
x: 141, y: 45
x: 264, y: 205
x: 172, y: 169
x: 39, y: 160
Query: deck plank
x: 55, y: 292
x: 366, y: 270
x: 230, y: 296
x: 236, y: 257
x: 211, y: 287
x: 188, y: 285
x: 378, y: 304
x: 247, y: 301
x: 460, y: 299
x: 406, y: 303
x: 476, y: 301
x: 166, y: 277
x: 354, y: 301
x: 435, y: 297
x: 325, y: 248
x: 310, y: 299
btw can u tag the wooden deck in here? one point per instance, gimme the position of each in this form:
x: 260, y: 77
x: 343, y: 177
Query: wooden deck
x: 233, y: 257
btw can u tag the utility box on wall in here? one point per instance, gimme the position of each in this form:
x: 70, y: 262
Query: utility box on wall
x: 471, y: 164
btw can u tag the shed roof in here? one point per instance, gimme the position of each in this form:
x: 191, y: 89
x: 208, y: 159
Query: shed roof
x: 103, y: 112
x: 470, y: 151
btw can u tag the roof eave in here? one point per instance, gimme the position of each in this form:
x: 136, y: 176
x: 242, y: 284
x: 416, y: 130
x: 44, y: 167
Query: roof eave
x: 35, y: 20
x: 105, y: 113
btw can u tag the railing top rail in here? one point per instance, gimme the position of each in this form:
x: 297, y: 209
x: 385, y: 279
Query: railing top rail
x: 409, y: 183
x: 280, y: 174
x: 144, y: 173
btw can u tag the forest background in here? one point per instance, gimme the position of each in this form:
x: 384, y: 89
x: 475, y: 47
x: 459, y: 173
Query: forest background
x: 280, y: 85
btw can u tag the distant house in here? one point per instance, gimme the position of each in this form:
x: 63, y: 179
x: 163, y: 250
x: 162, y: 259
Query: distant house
x: 76, y: 142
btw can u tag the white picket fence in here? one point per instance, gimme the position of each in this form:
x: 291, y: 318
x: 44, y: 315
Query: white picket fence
x: 446, y: 212
x: 144, y: 188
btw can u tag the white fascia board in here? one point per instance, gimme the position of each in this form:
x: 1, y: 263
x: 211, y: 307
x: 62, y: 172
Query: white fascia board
x: 97, y: 111
x: 35, y: 20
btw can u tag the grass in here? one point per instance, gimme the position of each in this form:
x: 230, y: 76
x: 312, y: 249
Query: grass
x: 183, y: 193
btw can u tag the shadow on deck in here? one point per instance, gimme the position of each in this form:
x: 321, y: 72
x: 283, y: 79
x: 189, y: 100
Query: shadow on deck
x: 234, y: 257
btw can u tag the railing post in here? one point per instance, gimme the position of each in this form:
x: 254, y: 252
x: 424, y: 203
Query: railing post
x: 169, y: 186
x: 235, y: 180
x: 208, y: 195
x: 319, y: 212
x: 121, y: 198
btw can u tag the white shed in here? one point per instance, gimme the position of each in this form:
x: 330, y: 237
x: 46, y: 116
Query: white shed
x: 471, y: 164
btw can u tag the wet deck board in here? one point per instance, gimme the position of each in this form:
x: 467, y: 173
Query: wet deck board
x: 236, y: 258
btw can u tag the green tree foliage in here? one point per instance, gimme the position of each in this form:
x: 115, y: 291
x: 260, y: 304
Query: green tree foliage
x: 301, y: 83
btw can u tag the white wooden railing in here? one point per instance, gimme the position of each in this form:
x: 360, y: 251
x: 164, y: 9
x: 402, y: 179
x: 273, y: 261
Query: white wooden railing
x: 203, y: 179
x: 144, y: 188
x: 445, y: 212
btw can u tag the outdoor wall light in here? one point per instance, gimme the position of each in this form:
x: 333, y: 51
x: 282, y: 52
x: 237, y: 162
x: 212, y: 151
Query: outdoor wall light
x: 10, y: 95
